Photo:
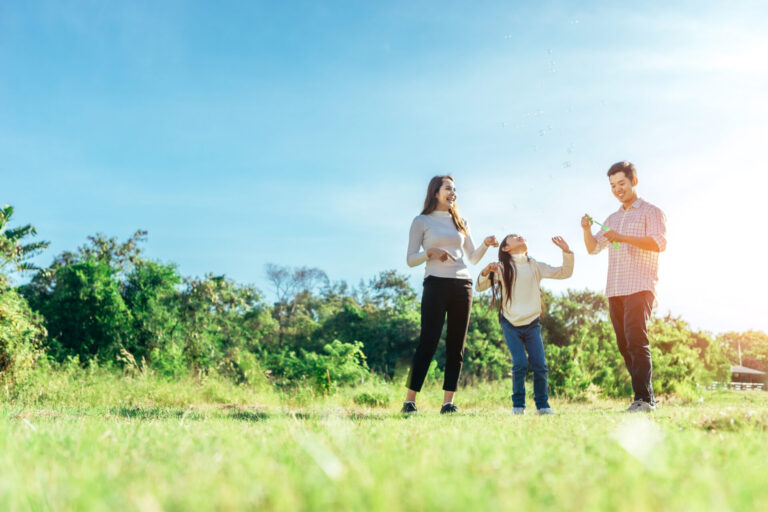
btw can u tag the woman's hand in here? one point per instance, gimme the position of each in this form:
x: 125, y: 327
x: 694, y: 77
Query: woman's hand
x: 491, y: 267
x: 558, y: 241
x: 490, y: 241
x: 439, y: 254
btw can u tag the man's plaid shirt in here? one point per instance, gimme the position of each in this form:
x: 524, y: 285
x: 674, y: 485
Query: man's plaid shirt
x: 631, y: 269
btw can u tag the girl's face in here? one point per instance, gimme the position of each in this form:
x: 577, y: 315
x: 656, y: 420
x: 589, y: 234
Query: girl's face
x: 446, y: 195
x: 515, y: 244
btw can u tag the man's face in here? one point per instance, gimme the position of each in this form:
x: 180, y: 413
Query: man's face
x: 623, y: 188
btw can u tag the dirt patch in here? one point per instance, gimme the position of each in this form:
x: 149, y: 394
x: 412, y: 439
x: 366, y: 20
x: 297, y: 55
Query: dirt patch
x: 38, y: 414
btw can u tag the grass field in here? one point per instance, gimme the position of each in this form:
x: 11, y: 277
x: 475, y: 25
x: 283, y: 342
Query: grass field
x: 113, y: 443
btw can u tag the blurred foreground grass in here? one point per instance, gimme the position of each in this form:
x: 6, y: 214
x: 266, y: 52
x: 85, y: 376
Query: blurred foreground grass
x: 106, y: 442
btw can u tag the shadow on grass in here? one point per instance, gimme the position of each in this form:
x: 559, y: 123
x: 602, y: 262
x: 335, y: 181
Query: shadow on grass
x: 149, y: 413
x: 164, y: 413
x: 252, y: 415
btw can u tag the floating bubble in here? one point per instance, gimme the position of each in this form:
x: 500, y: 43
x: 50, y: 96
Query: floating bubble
x: 567, y: 163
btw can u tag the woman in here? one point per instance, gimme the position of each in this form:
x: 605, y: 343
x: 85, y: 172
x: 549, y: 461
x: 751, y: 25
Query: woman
x: 445, y: 239
x: 516, y: 291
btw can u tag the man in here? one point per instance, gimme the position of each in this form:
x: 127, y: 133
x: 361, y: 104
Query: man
x: 640, y: 230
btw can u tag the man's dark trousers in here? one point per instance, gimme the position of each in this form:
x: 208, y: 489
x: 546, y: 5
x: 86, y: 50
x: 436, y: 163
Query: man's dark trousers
x: 629, y: 315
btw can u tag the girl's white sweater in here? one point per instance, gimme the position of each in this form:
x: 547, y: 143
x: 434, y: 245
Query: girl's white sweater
x: 525, y: 304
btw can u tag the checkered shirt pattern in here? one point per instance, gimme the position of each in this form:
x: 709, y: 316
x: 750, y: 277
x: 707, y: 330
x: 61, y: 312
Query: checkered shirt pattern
x: 631, y: 269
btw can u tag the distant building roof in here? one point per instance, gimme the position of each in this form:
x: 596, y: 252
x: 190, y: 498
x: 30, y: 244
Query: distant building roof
x: 744, y: 369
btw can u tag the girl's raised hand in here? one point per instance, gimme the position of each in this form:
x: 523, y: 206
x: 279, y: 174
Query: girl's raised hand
x: 490, y: 241
x: 492, y: 267
x: 558, y: 241
x: 440, y: 254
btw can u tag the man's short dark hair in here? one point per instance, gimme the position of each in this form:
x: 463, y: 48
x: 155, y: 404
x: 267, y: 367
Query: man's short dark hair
x: 627, y: 168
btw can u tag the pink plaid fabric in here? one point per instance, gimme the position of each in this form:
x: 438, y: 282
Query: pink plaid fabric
x: 631, y: 269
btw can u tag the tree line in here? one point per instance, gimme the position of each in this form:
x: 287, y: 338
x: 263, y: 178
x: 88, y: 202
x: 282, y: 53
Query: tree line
x: 105, y: 303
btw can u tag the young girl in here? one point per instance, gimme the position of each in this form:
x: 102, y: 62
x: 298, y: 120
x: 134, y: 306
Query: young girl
x: 444, y: 235
x: 515, y: 281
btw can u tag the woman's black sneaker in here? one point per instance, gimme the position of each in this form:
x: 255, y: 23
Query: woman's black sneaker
x: 448, y: 408
x: 409, y: 408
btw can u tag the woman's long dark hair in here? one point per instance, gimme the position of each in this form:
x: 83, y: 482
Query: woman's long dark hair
x: 508, y: 275
x: 430, y: 202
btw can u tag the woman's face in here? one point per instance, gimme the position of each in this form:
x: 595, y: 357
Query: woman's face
x: 446, y: 195
x: 514, y: 244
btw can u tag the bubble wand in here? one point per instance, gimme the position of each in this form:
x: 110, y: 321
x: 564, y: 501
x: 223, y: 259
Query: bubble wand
x: 605, y: 228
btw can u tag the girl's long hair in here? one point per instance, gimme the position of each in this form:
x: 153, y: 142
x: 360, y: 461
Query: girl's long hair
x: 430, y: 202
x: 508, y: 275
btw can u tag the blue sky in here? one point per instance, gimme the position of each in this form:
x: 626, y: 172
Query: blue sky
x: 304, y: 133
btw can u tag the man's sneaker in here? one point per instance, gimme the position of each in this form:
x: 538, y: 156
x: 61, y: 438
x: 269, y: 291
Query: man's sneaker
x: 641, y: 406
x: 518, y: 410
x: 545, y: 410
x: 409, y: 408
x: 448, y: 408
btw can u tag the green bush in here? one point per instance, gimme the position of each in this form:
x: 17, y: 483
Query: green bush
x: 567, y: 377
x: 169, y: 361
x: 372, y: 398
x: 339, y: 364
x: 21, y: 333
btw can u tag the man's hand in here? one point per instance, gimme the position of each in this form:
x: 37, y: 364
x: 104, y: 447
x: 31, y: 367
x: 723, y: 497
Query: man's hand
x: 614, y: 236
x: 558, y: 241
x: 590, y: 242
x: 439, y: 254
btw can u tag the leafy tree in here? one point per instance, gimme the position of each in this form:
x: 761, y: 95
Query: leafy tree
x: 84, y: 312
x: 386, y: 322
x: 14, y: 253
x: 753, y: 346
x: 217, y: 316
x: 293, y: 288
x: 80, y: 296
x: 150, y: 293
x: 21, y: 330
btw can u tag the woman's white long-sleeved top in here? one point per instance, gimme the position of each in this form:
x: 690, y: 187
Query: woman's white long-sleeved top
x: 437, y: 230
x: 525, y: 304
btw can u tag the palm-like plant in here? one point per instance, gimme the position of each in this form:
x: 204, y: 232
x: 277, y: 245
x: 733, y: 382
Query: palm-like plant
x: 12, y: 251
